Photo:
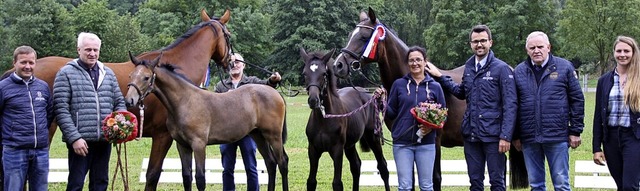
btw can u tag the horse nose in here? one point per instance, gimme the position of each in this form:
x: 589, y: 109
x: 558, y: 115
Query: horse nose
x: 129, y: 102
x: 339, y: 67
x: 313, y: 102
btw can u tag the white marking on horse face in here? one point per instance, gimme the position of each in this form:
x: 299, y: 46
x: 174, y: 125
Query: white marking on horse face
x: 313, y: 67
x: 355, y: 31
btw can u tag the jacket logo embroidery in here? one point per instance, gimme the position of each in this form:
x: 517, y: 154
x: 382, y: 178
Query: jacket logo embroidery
x: 487, y: 76
x: 638, y: 121
x: 39, y: 97
x: 554, y: 75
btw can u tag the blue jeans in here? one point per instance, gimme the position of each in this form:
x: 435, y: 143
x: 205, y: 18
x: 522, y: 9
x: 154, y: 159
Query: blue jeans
x: 477, y: 154
x: 423, y: 156
x: 20, y: 164
x: 96, y: 163
x: 248, y: 151
x: 557, y: 155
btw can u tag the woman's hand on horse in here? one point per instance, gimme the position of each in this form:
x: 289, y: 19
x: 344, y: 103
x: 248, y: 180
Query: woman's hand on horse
x: 379, y: 91
x: 275, y: 77
x: 432, y: 69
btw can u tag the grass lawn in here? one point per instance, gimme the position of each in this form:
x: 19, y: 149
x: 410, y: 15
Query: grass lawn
x: 296, y: 147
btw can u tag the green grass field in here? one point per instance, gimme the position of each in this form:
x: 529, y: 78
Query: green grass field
x: 298, y: 113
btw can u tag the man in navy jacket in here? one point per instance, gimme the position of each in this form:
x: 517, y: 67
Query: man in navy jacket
x: 26, y: 111
x: 488, y: 87
x: 550, y: 113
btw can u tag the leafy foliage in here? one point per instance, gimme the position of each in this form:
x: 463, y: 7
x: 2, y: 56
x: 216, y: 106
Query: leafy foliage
x: 589, y: 27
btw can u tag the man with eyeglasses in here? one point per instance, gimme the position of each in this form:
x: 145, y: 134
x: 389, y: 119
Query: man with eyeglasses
x: 550, y: 113
x: 246, y: 144
x: 490, y: 92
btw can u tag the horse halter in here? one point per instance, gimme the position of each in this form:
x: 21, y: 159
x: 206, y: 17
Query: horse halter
x: 359, y: 58
x: 321, y: 88
x: 146, y: 93
x: 227, y: 38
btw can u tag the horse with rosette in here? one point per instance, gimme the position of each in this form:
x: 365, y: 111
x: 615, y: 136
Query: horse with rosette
x: 339, y: 118
x: 372, y: 41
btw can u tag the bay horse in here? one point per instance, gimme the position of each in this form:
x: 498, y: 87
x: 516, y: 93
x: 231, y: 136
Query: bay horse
x: 192, y: 51
x: 253, y: 109
x: 338, y: 135
x: 390, y: 52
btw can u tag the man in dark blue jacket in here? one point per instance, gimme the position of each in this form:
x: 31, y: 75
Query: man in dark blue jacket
x: 489, y: 89
x: 550, y: 113
x: 26, y: 113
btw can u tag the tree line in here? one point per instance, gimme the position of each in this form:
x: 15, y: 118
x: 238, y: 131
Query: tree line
x: 269, y: 32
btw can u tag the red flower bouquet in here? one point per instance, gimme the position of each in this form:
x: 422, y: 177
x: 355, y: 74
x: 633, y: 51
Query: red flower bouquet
x: 120, y: 127
x: 430, y: 116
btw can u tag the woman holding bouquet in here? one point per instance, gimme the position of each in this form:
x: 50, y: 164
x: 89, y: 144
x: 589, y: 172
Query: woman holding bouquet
x: 409, y: 148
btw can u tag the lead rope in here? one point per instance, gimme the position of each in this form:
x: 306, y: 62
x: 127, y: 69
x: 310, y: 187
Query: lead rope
x: 141, y: 127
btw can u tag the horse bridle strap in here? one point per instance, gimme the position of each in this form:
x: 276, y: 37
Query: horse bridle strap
x: 146, y: 93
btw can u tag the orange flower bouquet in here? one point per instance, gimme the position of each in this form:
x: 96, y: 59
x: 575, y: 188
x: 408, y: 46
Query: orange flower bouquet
x: 429, y: 116
x: 120, y: 127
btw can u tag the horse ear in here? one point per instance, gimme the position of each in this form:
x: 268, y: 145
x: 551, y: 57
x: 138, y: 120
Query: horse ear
x: 204, y: 16
x: 327, y: 56
x: 133, y: 59
x: 372, y: 16
x: 156, y: 61
x: 303, y: 54
x: 225, y: 17
x: 363, y: 16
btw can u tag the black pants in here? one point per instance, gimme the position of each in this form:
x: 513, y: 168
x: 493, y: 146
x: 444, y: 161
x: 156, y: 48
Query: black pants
x: 96, y: 163
x: 622, y: 152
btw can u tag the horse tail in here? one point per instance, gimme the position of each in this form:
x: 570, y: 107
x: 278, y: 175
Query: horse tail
x: 364, y: 145
x: 284, y: 124
x: 519, y: 178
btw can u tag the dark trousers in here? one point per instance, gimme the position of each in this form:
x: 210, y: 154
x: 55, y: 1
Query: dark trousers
x: 477, y: 154
x: 622, y: 151
x: 248, y: 151
x: 96, y: 163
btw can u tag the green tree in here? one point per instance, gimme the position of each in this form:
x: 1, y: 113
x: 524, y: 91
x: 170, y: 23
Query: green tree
x: 447, y: 39
x: 314, y: 25
x: 119, y: 34
x: 252, y: 31
x: 43, y: 25
x: 589, y: 27
x: 408, y: 18
x: 510, y: 27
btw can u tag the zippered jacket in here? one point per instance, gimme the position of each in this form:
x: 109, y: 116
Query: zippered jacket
x: 79, y: 107
x: 405, y: 94
x: 491, y: 99
x: 551, y: 109
x: 26, y: 110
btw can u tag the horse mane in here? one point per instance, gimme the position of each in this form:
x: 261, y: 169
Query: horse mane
x: 192, y: 31
x: 172, y: 70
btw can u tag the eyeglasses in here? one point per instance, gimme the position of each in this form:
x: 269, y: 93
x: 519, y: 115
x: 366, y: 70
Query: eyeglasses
x: 415, y: 60
x: 481, y: 41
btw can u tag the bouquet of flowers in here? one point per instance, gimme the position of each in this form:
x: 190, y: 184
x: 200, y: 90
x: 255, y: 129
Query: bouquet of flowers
x: 430, y: 116
x: 120, y: 127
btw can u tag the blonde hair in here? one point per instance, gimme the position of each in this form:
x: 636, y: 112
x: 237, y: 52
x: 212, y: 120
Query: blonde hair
x: 632, y: 86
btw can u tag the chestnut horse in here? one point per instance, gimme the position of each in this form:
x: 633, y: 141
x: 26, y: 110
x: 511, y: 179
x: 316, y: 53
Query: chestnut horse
x: 390, y: 52
x: 197, y: 118
x: 192, y: 51
x: 338, y: 135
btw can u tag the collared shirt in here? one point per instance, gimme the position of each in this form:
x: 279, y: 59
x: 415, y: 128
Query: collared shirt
x: 481, y: 62
x: 25, y: 81
x: 94, y: 72
x: 618, y: 111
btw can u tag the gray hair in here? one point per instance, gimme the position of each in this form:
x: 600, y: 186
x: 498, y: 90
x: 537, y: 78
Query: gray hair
x: 537, y: 34
x: 86, y: 35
